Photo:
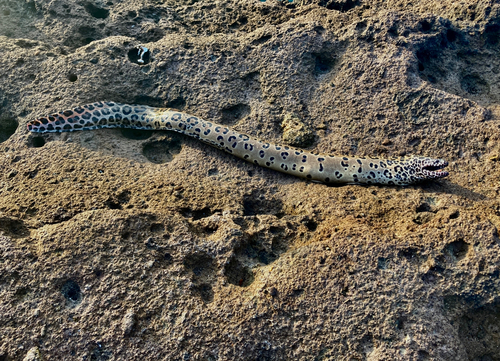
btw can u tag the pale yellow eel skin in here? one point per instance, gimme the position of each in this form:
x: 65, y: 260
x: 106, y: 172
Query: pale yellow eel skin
x: 316, y: 167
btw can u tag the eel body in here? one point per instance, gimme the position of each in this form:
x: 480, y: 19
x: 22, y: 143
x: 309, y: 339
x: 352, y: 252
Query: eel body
x: 297, y: 162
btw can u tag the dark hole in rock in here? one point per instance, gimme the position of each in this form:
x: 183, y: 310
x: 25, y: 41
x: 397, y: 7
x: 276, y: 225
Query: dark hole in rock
x: 339, y: 5
x: 205, y: 292
x: 136, y: 134
x: 382, y: 263
x: 71, y: 291
x: 8, y: 127
x: 266, y: 257
x: 196, y: 214
x: 177, y: 103
x: 213, y: 171
x: 157, y: 227
x: 37, y: 142
x: 424, y: 207
x: 451, y: 35
x: 201, y: 265
x: 400, y: 322
x: 162, y: 151
x: 254, y: 204
x: 96, y: 12
x: 237, y: 274
x: 409, y: 253
x: 323, y: 63
x: 311, y: 225
x: 139, y: 55
x: 234, y: 113
x: 425, y: 26
x: 167, y: 257
x: 458, y: 248
x: 72, y: 77
x: 261, y: 40
x: 14, y: 228
x: 492, y: 33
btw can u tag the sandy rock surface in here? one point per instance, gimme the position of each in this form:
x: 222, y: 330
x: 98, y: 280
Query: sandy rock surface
x: 128, y: 245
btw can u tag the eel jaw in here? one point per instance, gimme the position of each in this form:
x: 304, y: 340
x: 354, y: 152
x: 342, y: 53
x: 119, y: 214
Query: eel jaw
x: 431, y: 168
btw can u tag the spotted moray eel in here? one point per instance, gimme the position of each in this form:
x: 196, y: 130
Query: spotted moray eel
x: 300, y: 163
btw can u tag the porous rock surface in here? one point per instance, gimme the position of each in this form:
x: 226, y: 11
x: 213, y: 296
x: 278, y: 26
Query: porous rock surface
x: 127, y: 245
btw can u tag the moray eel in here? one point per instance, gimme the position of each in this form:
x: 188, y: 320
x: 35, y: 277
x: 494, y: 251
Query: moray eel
x: 297, y: 162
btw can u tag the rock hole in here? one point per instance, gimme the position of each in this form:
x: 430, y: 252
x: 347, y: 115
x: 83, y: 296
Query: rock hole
x: 167, y: 258
x: 266, y: 257
x: 136, y: 134
x: 492, y: 33
x: 213, y: 172
x: 414, y: 142
x: 14, y: 228
x: 89, y: 34
x: 409, y: 253
x: 339, y: 5
x: 71, y: 292
x: 196, y: 214
x: 234, y: 113
x: 458, y: 249
x: 96, y: 12
x: 8, y: 127
x: 254, y: 204
x: 454, y: 215
x: 162, y: 151
x: 157, y: 228
x: 424, y: 207
x: 177, y: 103
x: 37, y: 142
x: 205, y: 292
x: 237, y: 274
x: 400, y: 322
x: 297, y: 292
x: 261, y: 40
x: 311, y: 225
x: 425, y: 26
x: 72, y: 77
x: 202, y: 268
x: 323, y: 63
x: 139, y: 55
x: 361, y: 25
x: 451, y: 35
x: 423, y: 355
x: 382, y: 263
x: 428, y: 277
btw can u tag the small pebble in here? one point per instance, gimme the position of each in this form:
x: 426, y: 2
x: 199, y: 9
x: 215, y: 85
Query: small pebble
x: 128, y: 323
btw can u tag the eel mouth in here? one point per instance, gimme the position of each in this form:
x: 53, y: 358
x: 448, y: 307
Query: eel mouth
x: 432, y: 168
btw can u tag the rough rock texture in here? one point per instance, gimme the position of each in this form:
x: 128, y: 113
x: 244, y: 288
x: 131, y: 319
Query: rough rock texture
x: 123, y: 245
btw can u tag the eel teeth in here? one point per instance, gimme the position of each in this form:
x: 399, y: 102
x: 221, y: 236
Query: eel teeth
x: 432, y: 168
